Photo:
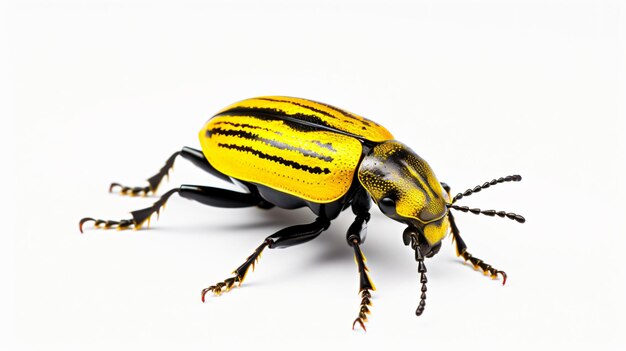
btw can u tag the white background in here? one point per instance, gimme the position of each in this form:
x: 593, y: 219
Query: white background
x: 105, y: 91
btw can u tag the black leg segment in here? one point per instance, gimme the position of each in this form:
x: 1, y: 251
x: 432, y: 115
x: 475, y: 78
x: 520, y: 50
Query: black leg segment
x: 207, y: 195
x: 356, y: 236
x: 360, y: 207
x: 217, y: 197
x: 194, y: 156
x: 287, y: 237
x: 298, y: 234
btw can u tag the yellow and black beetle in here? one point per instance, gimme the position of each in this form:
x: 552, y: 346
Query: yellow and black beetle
x: 291, y: 152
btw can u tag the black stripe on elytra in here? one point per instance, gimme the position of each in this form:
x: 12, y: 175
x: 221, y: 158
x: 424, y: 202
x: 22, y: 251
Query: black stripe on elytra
x: 274, y: 143
x: 299, y: 122
x: 292, y: 164
x: 273, y: 114
x: 345, y: 113
x: 246, y: 125
x: 307, y: 107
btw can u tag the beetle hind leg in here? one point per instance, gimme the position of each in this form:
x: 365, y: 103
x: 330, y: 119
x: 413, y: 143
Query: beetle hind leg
x: 461, y: 251
x: 139, y: 217
x: 153, y: 182
x: 206, y: 195
x: 194, y: 156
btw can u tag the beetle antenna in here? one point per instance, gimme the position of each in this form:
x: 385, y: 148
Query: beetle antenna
x: 468, y: 192
x: 411, y: 237
x: 421, y: 269
x: 490, y: 213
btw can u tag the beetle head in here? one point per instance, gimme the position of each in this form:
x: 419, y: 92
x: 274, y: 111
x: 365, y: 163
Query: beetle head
x: 406, y: 189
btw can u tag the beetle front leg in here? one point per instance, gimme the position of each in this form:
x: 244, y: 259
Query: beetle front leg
x: 287, y: 237
x: 461, y: 251
x: 356, y: 236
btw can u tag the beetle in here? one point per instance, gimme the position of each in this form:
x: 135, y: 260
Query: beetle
x: 292, y: 153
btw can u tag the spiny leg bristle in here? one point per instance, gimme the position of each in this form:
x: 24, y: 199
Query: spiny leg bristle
x: 221, y: 287
x: 132, y: 191
x: 108, y: 224
x: 239, y: 273
x: 487, y: 269
x: 363, y: 309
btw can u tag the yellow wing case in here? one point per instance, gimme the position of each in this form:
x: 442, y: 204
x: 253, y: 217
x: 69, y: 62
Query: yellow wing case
x: 315, y: 165
x: 314, y: 113
x: 297, y: 146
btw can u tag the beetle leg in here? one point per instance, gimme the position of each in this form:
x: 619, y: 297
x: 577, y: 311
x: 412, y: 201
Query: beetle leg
x: 365, y: 285
x: 356, y: 236
x: 207, y: 195
x: 412, y: 238
x: 286, y: 237
x: 195, y: 156
x: 153, y: 182
x: 461, y: 251
x: 139, y: 216
x: 239, y: 273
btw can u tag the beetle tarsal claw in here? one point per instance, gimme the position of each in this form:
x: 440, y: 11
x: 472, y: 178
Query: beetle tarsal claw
x: 239, y: 274
x: 139, y: 217
x: 361, y: 322
x: 221, y: 287
x: 153, y: 182
x: 107, y: 224
x: 363, y: 309
x: 487, y: 269
x: 132, y: 191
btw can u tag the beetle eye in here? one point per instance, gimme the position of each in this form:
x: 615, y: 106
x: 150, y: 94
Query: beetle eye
x: 387, y: 205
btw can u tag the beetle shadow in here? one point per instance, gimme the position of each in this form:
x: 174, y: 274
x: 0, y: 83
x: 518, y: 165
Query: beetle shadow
x: 275, y: 217
x: 272, y: 219
x: 332, y: 251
